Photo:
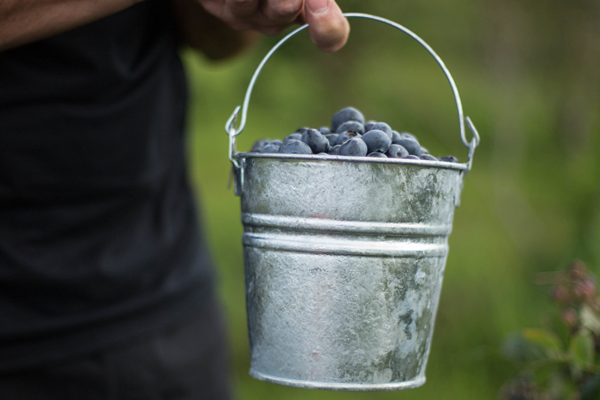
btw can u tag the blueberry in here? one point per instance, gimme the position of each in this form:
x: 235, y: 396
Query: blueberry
x: 411, y: 157
x: 395, y: 137
x: 354, y: 147
x: 324, y: 130
x: 344, y: 136
x: 259, y: 144
x: 335, y: 150
x: 294, y: 146
x: 424, y: 150
x: 316, y: 141
x: 376, y: 154
x: 411, y: 145
x: 428, y: 157
x: 351, y: 126
x: 276, y: 141
x: 302, y: 130
x: 451, y: 159
x: 270, y: 148
x: 346, y: 114
x: 377, y: 140
x: 406, y: 135
x: 332, y: 137
x: 397, y: 151
x: 382, y: 126
x: 295, y: 136
x: 369, y: 125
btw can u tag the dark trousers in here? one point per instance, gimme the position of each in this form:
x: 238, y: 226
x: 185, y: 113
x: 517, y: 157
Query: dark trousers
x: 185, y: 362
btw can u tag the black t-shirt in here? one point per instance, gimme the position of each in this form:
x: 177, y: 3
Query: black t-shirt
x: 98, y: 233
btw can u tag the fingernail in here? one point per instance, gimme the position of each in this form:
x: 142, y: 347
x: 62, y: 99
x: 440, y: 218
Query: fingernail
x: 317, y: 6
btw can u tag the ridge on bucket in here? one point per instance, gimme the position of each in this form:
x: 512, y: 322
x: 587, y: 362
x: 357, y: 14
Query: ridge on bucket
x: 343, y: 295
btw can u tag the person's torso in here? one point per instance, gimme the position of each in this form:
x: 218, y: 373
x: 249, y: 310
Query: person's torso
x: 96, y: 217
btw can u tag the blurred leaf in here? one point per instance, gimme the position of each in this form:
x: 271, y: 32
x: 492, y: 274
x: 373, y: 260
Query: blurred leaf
x: 522, y: 387
x: 544, y: 339
x: 581, y: 349
x: 560, y: 386
x: 555, y: 323
x: 546, y: 372
x: 590, y: 319
x: 591, y: 388
x: 515, y: 347
x: 570, y: 390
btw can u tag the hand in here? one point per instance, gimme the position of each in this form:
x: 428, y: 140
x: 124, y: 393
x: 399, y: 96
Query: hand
x: 207, y: 33
x: 327, y: 28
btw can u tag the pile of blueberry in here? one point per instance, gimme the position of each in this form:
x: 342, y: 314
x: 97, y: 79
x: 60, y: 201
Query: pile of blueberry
x: 349, y: 135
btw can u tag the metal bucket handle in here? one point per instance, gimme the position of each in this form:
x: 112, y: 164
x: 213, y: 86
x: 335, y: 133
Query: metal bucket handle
x: 233, y: 129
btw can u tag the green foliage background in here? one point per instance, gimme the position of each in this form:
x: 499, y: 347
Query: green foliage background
x: 529, y: 76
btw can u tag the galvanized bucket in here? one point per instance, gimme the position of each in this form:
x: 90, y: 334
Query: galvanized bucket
x: 344, y: 259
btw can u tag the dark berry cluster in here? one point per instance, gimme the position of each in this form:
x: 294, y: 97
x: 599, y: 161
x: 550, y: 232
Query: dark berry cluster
x: 349, y: 135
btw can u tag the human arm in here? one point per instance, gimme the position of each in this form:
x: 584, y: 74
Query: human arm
x: 24, y: 21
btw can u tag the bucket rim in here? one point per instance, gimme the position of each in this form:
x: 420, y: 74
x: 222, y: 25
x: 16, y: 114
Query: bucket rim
x: 357, y: 159
x: 334, y: 386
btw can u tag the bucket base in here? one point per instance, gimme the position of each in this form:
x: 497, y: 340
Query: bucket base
x: 349, y: 387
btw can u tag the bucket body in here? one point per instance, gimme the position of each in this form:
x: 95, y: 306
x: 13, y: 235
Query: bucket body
x: 344, y: 259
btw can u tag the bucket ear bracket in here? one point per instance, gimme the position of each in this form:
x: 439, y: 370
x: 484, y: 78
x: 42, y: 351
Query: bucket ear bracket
x: 238, y: 177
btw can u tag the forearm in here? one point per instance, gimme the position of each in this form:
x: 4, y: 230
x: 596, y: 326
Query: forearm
x: 24, y: 21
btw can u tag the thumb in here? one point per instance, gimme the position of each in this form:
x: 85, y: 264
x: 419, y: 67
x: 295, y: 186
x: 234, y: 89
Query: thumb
x: 327, y: 27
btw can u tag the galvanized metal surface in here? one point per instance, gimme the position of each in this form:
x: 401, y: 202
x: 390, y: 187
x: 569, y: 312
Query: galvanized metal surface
x: 344, y: 263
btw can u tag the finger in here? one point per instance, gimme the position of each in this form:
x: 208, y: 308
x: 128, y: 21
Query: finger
x: 241, y: 9
x: 282, y: 11
x: 327, y: 27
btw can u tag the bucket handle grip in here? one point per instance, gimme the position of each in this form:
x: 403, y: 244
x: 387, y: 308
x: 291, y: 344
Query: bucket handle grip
x: 233, y: 129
